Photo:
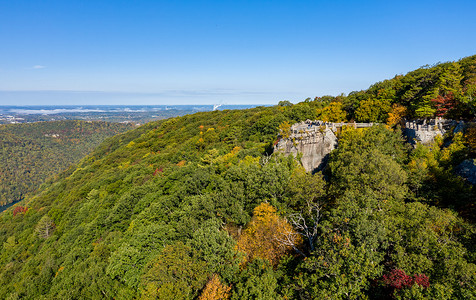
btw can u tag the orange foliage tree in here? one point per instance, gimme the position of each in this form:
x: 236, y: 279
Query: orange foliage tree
x: 443, y: 104
x: 396, y: 115
x: 263, y: 235
x: 19, y: 210
x: 215, y: 290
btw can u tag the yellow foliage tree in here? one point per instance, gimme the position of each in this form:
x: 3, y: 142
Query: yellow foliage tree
x: 396, y: 115
x: 215, y: 290
x: 284, y: 129
x: 264, y: 234
x: 334, y: 112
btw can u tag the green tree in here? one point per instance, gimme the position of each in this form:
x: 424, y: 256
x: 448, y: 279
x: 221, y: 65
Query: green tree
x: 373, y: 110
x: 425, y: 111
x: 217, y: 249
x: 285, y: 103
x: 174, y: 274
x: 367, y: 161
x: 257, y: 281
x: 450, y: 79
x: 469, y: 97
x: 337, y: 270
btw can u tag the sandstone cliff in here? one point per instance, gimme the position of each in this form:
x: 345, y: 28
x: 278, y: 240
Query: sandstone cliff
x: 313, y: 143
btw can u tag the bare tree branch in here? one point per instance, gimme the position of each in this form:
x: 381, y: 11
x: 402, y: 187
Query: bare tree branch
x: 307, y: 229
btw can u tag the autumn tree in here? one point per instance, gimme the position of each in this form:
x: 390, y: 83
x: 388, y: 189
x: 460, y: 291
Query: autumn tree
x: 398, y: 279
x: 396, y: 115
x: 260, y: 238
x: 285, y: 129
x: 19, y: 210
x: 334, y: 112
x: 443, y: 104
x: 215, y: 290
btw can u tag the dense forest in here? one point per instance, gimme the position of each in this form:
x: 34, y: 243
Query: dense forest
x: 29, y: 153
x: 200, y: 207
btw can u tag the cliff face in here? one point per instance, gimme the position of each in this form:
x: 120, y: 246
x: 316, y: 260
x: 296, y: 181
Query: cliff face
x: 425, y: 133
x: 314, y: 145
x: 314, y: 140
x: 421, y: 132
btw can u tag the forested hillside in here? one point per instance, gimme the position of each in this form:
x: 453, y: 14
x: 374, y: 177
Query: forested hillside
x: 199, y: 207
x: 29, y: 153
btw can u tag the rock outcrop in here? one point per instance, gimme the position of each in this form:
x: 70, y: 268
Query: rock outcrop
x: 420, y: 131
x: 314, y: 145
x: 314, y: 140
x: 467, y: 170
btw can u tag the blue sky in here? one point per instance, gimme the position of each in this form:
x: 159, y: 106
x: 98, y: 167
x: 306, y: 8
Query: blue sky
x: 232, y: 52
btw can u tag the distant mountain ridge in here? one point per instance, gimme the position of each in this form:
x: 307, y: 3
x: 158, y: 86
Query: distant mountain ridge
x: 29, y: 153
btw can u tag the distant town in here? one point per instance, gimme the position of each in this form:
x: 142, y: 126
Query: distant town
x: 137, y: 115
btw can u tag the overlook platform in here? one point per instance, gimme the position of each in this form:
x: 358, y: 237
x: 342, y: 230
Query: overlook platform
x: 309, y: 126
